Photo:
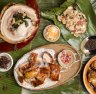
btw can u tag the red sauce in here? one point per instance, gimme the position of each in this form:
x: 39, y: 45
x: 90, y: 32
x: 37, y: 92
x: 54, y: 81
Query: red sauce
x: 5, y: 47
x: 65, y: 57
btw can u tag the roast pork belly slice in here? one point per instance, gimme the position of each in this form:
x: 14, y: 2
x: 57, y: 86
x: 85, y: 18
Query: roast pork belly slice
x: 47, y: 58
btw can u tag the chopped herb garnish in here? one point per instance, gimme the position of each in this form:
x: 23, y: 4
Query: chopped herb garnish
x: 15, y: 26
x: 26, y: 23
x: 26, y: 17
x: 19, y: 19
x: 18, y: 16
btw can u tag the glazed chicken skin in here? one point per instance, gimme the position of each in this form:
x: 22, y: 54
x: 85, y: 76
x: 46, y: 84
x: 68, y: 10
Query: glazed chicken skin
x: 33, y: 58
x: 23, y: 67
x: 36, y: 73
x: 54, y: 71
x: 42, y: 75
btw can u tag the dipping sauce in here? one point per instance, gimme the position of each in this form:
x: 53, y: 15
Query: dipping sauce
x: 51, y: 33
x: 66, y: 58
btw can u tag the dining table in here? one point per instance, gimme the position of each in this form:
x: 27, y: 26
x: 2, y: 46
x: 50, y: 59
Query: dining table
x: 8, y: 84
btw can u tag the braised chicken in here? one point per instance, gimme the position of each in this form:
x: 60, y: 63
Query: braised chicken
x: 31, y: 73
x: 33, y: 58
x: 23, y: 67
x: 36, y: 72
x: 42, y: 75
x: 36, y: 82
x: 54, y: 71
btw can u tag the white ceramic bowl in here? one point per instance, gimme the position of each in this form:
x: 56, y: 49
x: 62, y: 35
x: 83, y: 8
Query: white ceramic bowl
x: 10, y: 64
x: 73, y: 58
x: 57, y: 31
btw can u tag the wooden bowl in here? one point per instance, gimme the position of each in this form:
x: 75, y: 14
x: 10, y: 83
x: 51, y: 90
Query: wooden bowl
x: 85, y: 80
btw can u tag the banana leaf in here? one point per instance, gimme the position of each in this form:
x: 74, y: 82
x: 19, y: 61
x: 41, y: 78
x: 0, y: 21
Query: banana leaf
x: 85, y: 7
x: 8, y: 84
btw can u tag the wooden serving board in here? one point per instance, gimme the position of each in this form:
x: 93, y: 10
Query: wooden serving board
x: 66, y: 74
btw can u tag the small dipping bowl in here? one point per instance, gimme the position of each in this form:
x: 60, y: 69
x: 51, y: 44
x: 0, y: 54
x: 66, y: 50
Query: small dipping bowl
x: 88, y: 45
x: 51, y: 33
x: 72, y: 58
x: 10, y: 63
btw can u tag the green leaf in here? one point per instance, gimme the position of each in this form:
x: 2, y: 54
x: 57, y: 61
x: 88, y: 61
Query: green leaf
x: 83, y: 5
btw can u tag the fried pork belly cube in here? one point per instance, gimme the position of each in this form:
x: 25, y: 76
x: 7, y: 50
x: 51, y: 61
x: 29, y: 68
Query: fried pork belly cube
x: 47, y: 57
x: 54, y: 71
x: 33, y: 58
x: 42, y: 75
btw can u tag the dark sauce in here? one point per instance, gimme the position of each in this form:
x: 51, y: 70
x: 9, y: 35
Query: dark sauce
x: 4, y: 61
x: 91, y: 44
x: 5, y: 47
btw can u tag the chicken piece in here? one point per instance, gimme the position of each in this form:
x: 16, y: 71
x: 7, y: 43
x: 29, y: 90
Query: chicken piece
x: 54, y: 71
x: 31, y: 73
x: 36, y: 82
x: 19, y: 72
x: 33, y: 58
x: 42, y: 75
x: 23, y: 67
x: 47, y: 57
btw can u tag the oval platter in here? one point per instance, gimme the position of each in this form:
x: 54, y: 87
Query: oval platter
x: 65, y: 75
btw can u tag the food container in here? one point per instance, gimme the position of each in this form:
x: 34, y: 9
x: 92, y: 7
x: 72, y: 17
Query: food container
x: 6, y: 58
x: 51, y: 33
x: 88, y: 45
